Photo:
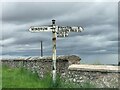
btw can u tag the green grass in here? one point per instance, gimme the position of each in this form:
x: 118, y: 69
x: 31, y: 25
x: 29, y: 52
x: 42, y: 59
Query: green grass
x: 21, y: 78
x: 0, y: 75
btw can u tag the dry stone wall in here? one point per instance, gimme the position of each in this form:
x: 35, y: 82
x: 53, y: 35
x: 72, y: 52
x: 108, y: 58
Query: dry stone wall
x: 42, y: 65
x: 100, y: 76
x: 70, y: 70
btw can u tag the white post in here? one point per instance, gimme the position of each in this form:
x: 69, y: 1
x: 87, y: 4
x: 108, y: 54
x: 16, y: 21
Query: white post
x: 62, y: 33
x: 54, y: 51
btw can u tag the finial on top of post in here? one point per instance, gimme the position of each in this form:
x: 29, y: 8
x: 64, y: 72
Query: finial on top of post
x: 53, y: 22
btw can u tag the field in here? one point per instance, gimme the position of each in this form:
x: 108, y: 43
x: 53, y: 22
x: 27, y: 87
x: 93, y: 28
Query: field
x: 21, y: 78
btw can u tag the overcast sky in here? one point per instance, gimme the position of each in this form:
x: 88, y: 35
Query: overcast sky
x: 97, y: 43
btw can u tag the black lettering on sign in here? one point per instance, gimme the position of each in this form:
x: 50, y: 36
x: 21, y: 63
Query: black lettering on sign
x: 32, y: 28
x: 45, y: 28
x: 39, y: 28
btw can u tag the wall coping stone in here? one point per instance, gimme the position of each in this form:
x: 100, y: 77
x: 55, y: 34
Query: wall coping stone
x: 98, y: 68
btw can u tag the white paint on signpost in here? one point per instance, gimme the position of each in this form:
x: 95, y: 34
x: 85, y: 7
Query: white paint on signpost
x: 54, y: 51
x: 62, y: 34
x: 76, y: 29
x: 40, y: 29
x: 63, y: 30
x: 59, y: 31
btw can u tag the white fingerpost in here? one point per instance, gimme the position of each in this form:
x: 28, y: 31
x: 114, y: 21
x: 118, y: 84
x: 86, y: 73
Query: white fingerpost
x: 57, y: 31
x: 54, y: 51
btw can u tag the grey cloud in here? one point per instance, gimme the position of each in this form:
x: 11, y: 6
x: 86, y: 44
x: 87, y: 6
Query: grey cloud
x: 86, y: 13
x: 30, y: 38
x: 98, y: 19
x: 30, y: 12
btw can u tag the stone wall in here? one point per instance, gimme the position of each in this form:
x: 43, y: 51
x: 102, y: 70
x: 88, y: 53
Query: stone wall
x: 70, y: 70
x: 42, y: 65
x: 100, y: 76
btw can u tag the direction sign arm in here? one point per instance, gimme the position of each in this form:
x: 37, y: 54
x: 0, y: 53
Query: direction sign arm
x: 40, y: 29
x: 76, y: 29
x: 61, y: 31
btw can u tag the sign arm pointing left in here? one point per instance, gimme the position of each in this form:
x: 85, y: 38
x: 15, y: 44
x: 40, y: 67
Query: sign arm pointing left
x: 61, y: 31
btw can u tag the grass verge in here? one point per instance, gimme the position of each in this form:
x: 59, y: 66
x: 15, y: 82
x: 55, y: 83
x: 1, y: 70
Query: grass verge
x: 22, y: 78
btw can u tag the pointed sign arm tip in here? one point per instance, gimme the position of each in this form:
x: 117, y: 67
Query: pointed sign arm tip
x: 82, y: 29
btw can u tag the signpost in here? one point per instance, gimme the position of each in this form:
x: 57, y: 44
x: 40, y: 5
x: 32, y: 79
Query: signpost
x: 57, y: 31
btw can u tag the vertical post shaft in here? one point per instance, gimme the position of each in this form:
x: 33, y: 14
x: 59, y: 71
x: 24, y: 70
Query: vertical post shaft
x: 54, y: 51
x: 41, y: 50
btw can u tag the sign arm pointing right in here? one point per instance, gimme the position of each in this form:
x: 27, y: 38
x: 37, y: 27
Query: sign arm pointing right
x: 57, y: 31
